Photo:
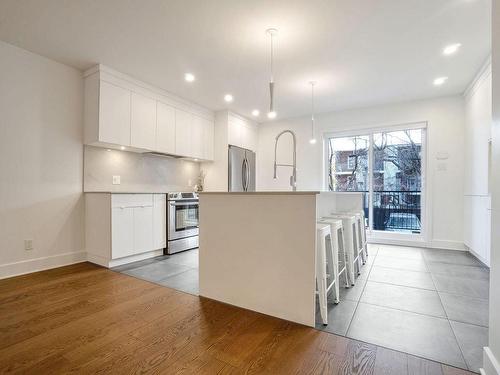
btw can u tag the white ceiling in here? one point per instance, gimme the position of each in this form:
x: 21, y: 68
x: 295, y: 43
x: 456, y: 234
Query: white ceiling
x: 360, y: 52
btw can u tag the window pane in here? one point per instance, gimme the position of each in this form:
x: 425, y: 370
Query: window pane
x: 348, y: 165
x: 397, y: 180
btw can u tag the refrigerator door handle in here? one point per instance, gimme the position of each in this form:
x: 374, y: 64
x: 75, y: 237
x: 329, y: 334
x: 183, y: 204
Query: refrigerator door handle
x: 248, y: 174
x: 244, y: 174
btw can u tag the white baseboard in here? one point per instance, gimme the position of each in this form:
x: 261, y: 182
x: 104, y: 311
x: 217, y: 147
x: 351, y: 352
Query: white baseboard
x: 434, y: 244
x: 134, y: 258
x: 448, y: 245
x: 491, y: 366
x: 40, y: 264
x: 97, y: 259
x: 59, y: 260
x: 484, y: 261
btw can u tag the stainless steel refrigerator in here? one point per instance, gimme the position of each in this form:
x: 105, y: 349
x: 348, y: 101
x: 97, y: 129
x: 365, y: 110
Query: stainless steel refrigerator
x: 241, y: 169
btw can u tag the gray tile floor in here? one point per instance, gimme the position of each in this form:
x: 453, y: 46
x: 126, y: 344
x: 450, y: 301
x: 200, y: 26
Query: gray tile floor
x: 425, y: 302
x: 178, y: 271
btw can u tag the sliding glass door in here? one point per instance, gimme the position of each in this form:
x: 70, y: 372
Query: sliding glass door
x: 348, y: 161
x: 387, y: 167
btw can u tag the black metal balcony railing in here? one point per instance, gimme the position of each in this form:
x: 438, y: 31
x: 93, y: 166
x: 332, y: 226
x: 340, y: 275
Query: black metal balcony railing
x: 395, y: 210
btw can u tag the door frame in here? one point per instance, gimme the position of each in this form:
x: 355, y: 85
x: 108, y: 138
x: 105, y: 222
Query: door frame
x: 376, y: 236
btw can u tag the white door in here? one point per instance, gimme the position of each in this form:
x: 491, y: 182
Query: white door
x: 122, y: 233
x: 143, y: 229
x: 143, y: 122
x: 165, y: 128
x: 160, y: 221
x: 183, y: 122
x: 114, y: 114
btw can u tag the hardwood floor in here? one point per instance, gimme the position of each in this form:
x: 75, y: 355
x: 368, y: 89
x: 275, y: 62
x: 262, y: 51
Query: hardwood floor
x: 86, y: 319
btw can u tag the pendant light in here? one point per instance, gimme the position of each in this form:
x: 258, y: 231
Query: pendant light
x: 272, y: 113
x: 312, y: 140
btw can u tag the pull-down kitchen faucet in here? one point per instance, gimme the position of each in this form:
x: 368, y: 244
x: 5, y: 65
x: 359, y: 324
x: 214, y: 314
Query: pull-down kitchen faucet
x: 293, y: 177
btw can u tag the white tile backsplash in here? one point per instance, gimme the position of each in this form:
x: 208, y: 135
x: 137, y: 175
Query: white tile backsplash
x: 138, y: 172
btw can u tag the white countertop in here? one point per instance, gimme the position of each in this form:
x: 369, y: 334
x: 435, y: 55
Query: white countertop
x: 259, y: 192
x: 126, y: 192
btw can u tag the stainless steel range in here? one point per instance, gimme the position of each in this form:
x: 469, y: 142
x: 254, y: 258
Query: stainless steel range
x: 182, y: 222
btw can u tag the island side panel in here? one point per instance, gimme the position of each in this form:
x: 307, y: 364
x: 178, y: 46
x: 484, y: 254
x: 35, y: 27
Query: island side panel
x: 258, y: 252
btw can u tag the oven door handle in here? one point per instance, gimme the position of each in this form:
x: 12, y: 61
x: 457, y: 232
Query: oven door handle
x: 185, y: 204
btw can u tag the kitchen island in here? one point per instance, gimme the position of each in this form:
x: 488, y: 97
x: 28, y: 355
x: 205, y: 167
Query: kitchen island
x: 257, y: 251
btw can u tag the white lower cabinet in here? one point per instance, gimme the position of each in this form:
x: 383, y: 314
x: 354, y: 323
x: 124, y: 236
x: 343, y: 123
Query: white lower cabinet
x: 122, y: 236
x: 121, y: 228
x: 160, y: 221
x: 143, y: 229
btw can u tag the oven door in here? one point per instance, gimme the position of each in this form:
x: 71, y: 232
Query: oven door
x: 182, y: 219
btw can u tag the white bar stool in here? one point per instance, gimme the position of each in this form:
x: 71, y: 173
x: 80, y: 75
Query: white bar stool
x: 339, y: 250
x: 360, y: 216
x: 324, y: 250
x: 361, y: 234
x: 350, y: 225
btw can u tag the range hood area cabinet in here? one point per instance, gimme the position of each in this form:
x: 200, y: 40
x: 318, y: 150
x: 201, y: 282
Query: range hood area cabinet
x: 120, y: 111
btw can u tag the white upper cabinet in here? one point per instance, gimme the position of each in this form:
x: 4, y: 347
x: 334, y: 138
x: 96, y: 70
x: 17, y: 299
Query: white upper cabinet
x: 120, y: 111
x: 183, y: 123
x: 114, y: 114
x: 242, y: 133
x: 198, y: 137
x: 209, y: 140
x: 143, y: 122
x: 165, y: 128
x: 234, y: 132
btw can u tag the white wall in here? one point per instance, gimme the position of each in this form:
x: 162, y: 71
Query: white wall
x: 138, y: 172
x: 445, y: 117
x: 492, y: 353
x: 40, y: 162
x: 478, y: 121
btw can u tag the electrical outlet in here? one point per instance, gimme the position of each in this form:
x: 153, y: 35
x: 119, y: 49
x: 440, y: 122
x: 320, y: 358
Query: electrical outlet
x: 441, y: 167
x: 28, y: 245
x: 116, y: 180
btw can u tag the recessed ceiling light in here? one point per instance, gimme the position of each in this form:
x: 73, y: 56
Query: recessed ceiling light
x: 228, y: 98
x: 255, y: 112
x: 122, y: 148
x: 312, y: 141
x: 189, y: 77
x: 451, y: 49
x: 108, y: 150
x: 195, y: 159
x: 271, y: 115
x: 439, y: 81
